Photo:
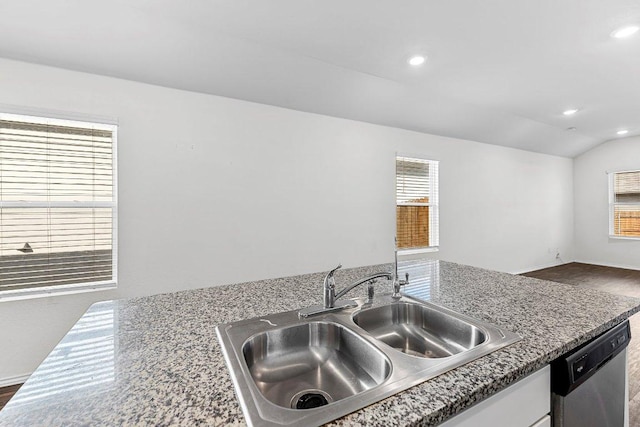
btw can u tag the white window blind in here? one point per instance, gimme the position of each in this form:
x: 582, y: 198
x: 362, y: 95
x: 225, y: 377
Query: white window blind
x: 416, y: 203
x: 624, y: 204
x: 57, y: 203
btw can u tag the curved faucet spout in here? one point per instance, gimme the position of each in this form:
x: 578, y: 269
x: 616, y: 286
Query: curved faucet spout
x: 387, y: 275
x: 330, y: 296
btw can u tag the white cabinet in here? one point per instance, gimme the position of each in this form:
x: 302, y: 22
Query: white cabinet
x: 526, y: 403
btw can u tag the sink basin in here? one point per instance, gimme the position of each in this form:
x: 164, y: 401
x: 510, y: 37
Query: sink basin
x: 293, y: 371
x: 313, y: 364
x: 420, y: 330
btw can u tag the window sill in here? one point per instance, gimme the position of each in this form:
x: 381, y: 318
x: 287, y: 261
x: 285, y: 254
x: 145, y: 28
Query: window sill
x: 417, y: 250
x: 613, y: 236
x: 51, y: 291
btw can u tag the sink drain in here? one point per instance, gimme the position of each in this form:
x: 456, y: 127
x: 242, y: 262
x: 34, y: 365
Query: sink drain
x: 309, y: 399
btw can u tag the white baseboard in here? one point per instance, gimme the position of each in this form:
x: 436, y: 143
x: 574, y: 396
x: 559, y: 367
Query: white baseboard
x: 542, y: 267
x: 18, y: 379
x: 608, y: 264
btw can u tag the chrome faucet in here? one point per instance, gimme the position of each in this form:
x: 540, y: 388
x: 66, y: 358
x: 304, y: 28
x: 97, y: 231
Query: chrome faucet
x: 330, y: 296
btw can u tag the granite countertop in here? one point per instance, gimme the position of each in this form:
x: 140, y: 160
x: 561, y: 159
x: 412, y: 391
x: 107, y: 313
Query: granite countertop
x: 156, y: 360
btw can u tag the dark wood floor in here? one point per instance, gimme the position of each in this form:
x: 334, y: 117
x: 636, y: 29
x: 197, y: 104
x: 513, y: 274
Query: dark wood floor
x: 618, y: 281
x: 6, y: 393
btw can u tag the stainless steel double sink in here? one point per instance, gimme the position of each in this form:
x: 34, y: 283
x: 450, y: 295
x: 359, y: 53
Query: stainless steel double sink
x: 292, y: 371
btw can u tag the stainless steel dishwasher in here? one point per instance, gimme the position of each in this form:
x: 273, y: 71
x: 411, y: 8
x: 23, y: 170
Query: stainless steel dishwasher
x: 589, y: 384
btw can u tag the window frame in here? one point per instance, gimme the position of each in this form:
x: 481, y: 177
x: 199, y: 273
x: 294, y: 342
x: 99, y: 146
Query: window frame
x: 613, y: 204
x: 73, y: 120
x: 434, y: 203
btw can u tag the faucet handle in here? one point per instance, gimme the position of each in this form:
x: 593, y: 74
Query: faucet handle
x: 328, y: 279
x: 329, y: 288
x: 332, y: 272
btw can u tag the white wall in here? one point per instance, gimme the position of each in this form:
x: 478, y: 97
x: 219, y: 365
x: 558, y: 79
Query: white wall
x: 214, y: 190
x: 591, y: 205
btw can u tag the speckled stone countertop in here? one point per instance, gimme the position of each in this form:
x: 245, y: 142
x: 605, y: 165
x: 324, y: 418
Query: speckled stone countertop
x: 156, y: 360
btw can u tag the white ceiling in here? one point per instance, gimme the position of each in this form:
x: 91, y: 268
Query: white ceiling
x: 499, y: 71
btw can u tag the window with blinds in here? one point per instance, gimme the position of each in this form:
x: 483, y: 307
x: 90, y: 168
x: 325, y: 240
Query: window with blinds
x: 57, y: 204
x: 624, y: 204
x: 416, y: 203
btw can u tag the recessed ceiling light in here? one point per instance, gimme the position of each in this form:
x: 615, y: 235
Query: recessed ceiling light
x: 570, y: 112
x: 417, y: 60
x: 625, y: 32
x: 622, y: 132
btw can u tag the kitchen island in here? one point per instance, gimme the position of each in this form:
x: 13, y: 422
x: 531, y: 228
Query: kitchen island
x: 156, y: 360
